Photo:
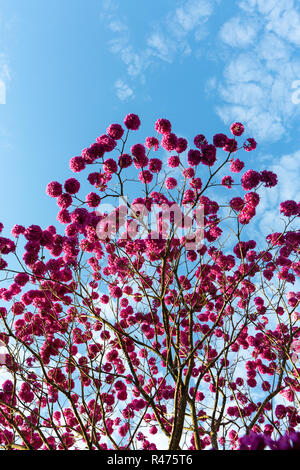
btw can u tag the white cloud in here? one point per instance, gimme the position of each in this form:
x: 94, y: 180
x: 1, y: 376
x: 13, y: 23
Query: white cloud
x: 211, y: 84
x: 161, y: 46
x: 264, y: 6
x: 283, y: 18
x: 117, y: 26
x: 109, y: 6
x: 167, y: 39
x: 238, y: 32
x: 123, y: 90
x: 268, y: 210
x: 181, y: 25
x: 257, y: 83
x: 272, y: 48
x: 192, y: 13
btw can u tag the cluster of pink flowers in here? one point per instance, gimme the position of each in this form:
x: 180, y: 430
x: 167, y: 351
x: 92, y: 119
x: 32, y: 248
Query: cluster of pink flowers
x: 227, y: 181
x: 108, y: 319
x: 289, y: 208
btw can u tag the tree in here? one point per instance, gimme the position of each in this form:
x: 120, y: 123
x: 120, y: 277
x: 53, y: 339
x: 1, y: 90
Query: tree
x: 151, y: 322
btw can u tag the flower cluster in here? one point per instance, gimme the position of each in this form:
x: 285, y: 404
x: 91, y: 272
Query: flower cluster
x: 120, y: 324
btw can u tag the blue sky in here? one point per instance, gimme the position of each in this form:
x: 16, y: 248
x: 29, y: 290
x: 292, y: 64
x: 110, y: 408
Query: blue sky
x: 70, y: 68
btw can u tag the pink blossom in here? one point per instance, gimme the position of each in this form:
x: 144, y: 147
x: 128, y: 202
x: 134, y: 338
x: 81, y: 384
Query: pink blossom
x: 145, y: 176
x: 170, y: 183
x: 169, y: 142
x: 289, y: 208
x: 227, y: 181
x: 132, y: 122
x: 163, y: 126
x: 107, y: 142
x: 219, y: 140
x: 237, y: 203
x: 230, y: 146
x: 173, y: 161
x: 236, y: 165
x: 115, y: 131
x: 250, y: 144
x: 237, y: 128
x: 77, y: 164
x: 194, y: 157
x: 155, y: 165
x: 54, y: 189
x: 200, y: 141
x: 152, y: 142
x: 181, y: 145
x: 208, y: 155
x: 268, y: 178
x: 110, y: 166
x: 93, y: 199
x: 125, y: 160
x: 250, y: 180
x: 72, y: 185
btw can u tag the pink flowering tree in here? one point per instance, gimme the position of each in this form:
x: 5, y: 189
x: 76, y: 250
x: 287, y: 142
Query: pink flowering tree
x: 149, y: 320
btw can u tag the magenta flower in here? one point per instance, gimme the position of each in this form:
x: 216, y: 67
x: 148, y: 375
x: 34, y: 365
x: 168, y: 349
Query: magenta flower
x: 289, y: 208
x: 110, y: 166
x: 155, y: 165
x: 208, y: 155
x: 125, y: 160
x: 250, y: 180
x: 152, y: 142
x: 269, y: 178
x: 200, y: 141
x: 54, y: 189
x: 163, y: 126
x: 115, y: 131
x: 181, y: 145
x: 170, y: 183
x: 72, y: 185
x: 173, y: 161
x: 194, y: 157
x: 230, y: 146
x: 93, y: 200
x: 169, y: 142
x: 237, y: 128
x: 107, y: 142
x: 219, y: 140
x: 250, y: 144
x: 227, y: 181
x: 145, y: 176
x: 237, y: 203
x: 77, y: 164
x: 236, y: 165
x: 132, y: 122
